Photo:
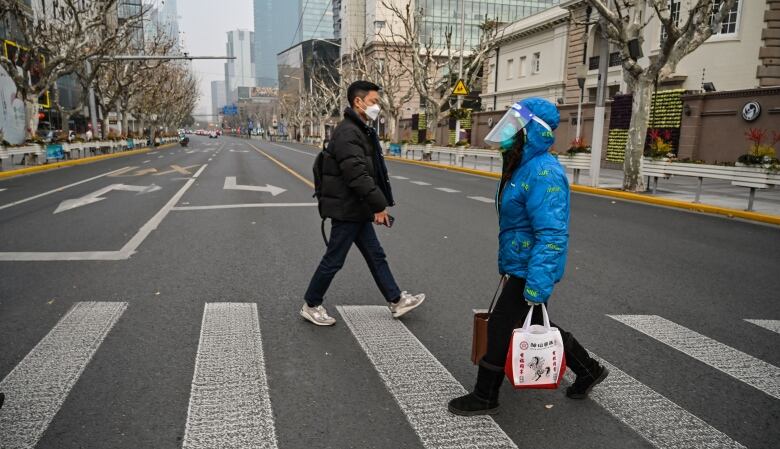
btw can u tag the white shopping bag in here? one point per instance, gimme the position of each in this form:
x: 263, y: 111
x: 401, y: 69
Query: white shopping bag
x: 536, y: 357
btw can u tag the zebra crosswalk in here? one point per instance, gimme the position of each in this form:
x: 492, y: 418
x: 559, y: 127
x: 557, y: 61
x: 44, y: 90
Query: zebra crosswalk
x: 231, y: 404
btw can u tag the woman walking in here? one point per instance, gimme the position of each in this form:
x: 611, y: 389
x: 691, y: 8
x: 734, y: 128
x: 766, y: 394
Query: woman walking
x: 533, y: 209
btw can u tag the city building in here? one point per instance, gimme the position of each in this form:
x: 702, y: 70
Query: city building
x: 163, y: 19
x: 530, y: 60
x: 239, y: 71
x: 315, y: 20
x: 276, y: 23
x: 218, y: 98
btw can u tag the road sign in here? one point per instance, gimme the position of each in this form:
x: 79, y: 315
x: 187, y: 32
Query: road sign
x: 460, y: 88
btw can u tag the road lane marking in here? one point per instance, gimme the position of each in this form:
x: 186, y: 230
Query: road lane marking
x: 293, y: 149
x: 243, y: 206
x: 655, y: 418
x: 127, y: 250
x: 232, y: 184
x: 419, y: 383
x: 743, y: 367
x: 97, y: 195
x: 60, y: 189
x: 36, y: 388
x: 1, y: 190
x: 402, y: 178
x: 160, y: 156
x: 420, y: 183
x: 229, y: 401
x: 447, y: 190
x: 482, y: 199
x: 286, y: 168
x: 772, y: 325
x: 146, y: 161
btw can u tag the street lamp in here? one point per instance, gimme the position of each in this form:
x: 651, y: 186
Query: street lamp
x: 582, y: 74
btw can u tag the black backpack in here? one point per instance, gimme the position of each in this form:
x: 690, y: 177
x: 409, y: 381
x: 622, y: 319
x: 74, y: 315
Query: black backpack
x: 319, y: 161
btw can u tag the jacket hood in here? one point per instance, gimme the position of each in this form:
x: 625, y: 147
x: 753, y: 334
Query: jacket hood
x: 538, y: 139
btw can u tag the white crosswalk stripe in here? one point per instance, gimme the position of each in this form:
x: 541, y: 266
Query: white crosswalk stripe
x: 229, y: 401
x: 421, y: 183
x: 419, y: 383
x: 772, y: 325
x: 658, y: 420
x: 447, y: 190
x: 39, y: 384
x: 402, y: 178
x: 743, y: 367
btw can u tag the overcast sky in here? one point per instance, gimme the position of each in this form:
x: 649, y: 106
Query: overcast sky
x: 204, y: 24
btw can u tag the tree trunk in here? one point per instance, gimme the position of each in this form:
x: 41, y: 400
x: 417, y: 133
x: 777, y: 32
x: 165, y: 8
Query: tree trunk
x: 125, y: 123
x: 432, y: 123
x: 635, y: 147
x: 31, y: 109
x: 65, y: 120
x: 392, y: 127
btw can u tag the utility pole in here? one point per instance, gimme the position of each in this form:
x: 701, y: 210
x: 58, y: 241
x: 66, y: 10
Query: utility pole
x: 460, y: 67
x: 598, y: 118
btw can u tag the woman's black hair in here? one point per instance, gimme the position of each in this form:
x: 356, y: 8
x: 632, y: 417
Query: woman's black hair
x: 513, y: 157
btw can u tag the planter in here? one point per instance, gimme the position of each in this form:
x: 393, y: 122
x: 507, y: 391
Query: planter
x: 576, y: 161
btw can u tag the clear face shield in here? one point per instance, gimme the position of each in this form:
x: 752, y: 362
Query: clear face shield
x: 515, y: 119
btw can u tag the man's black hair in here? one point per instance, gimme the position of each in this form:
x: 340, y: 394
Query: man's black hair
x: 360, y: 89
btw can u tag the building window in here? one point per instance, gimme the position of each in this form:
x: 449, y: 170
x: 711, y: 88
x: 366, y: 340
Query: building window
x: 674, y: 14
x: 510, y: 67
x: 536, y: 64
x: 523, y: 68
x: 730, y: 22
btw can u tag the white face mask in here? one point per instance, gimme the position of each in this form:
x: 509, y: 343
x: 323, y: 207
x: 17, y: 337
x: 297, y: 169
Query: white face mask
x: 373, y: 111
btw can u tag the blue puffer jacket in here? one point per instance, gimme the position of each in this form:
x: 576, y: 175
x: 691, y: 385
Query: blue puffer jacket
x: 534, y: 211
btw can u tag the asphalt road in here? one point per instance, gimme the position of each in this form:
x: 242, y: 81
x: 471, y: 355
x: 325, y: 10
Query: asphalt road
x: 662, y: 295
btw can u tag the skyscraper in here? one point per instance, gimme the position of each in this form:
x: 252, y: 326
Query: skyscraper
x: 218, y: 98
x: 276, y: 22
x: 316, y: 20
x: 239, y: 72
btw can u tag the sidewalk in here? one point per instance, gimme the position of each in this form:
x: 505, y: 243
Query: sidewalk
x: 681, y: 188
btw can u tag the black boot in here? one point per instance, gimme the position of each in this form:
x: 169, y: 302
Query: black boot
x: 484, y: 399
x: 589, y: 372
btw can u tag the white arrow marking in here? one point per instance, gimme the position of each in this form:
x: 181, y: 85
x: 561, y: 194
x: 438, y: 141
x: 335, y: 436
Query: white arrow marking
x: 230, y: 184
x: 94, y: 197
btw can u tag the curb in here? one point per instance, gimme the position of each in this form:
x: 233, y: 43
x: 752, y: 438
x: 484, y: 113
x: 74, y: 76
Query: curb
x: 86, y: 160
x: 628, y: 196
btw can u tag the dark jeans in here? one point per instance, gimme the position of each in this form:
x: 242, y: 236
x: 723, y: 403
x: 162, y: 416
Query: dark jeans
x: 509, y: 312
x: 342, y: 235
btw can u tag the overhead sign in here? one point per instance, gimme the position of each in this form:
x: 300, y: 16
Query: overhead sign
x: 460, y: 88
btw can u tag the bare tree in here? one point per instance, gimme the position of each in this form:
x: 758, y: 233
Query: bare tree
x: 433, y: 68
x: 382, y: 65
x: 326, y: 95
x: 625, y: 21
x: 58, y: 42
x: 294, y: 110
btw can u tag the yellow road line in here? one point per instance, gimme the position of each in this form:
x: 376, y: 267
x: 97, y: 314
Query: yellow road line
x: 288, y: 169
x: 86, y: 160
x: 628, y: 196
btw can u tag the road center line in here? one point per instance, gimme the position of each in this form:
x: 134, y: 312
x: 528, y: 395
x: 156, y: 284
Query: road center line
x: 419, y: 383
x: 60, y: 189
x: 229, y: 401
x: 36, y: 388
x: 293, y: 149
x: 743, y: 367
x: 285, y: 167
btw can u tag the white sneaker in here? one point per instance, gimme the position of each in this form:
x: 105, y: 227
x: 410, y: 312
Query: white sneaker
x: 317, y: 315
x: 406, y: 304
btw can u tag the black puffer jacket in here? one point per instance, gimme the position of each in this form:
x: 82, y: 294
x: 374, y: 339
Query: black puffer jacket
x: 355, y: 184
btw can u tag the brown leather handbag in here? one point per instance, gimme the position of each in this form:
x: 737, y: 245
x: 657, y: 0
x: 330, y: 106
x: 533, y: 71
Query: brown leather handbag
x: 479, y: 337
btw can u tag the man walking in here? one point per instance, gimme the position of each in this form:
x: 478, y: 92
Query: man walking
x: 354, y: 193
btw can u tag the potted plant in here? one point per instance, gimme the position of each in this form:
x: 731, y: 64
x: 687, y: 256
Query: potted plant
x: 660, y: 145
x: 578, y: 146
x: 760, y: 154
